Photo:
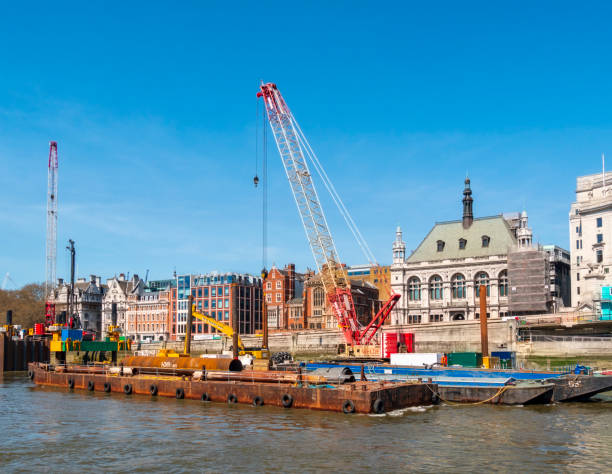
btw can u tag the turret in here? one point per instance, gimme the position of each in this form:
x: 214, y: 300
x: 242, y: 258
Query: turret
x: 399, y: 247
x: 468, y: 215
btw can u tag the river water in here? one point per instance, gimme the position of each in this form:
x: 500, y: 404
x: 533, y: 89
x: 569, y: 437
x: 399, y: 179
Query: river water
x: 52, y: 429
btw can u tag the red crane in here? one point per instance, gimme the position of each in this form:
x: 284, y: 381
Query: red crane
x: 294, y: 148
x: 51, y: 235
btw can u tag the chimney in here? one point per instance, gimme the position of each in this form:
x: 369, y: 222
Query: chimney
x: 98, y: 280
x: 122, y: 277
x: 60, y: 281
x: 468, y: 216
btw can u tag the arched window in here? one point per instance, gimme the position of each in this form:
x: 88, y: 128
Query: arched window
x: 503, y: 283
x: 481, y: 279
x: 414, y: 289
x: 458, y: 286
x: 317, y: 297
x: 436, y: 291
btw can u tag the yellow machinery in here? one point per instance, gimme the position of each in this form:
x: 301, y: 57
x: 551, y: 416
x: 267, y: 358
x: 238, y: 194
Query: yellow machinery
x: 258, y: 353
x: 114, y: 335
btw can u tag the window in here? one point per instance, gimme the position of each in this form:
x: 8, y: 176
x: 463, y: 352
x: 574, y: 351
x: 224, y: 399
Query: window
x: 269, y: 285
x: 578, y: 290
x: 577, y: 276
x: 436, y: 318
x: 599, y: 222
x: 440, y: 245
x: 206, y: 303
x: 414, y: 289
x: 462, y: 243
x: 226, y: 291
x: 205, y: 292
x: 226, y: 315
x: 599, y: 238
x: 599, y: 255
x: 414, y: 319
x: 213, y: 291
x: 268, y: 298
x: 485, y: 240
x: 578, y: 229
x: 213, y: 303
x: 436, y: 292
x: 279, y: 297
x: 317, y: 297
x: 279, y: 284
x: 482, y: 279
x: 458, y: 286
x: 226, y: 303
x: 503, y: 283
x: 477, y: 315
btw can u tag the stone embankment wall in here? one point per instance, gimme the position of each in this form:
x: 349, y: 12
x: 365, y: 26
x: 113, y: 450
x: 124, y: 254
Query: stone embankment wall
x: 457, y: 336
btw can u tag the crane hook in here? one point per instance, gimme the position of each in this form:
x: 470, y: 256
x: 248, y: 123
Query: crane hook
x: 256, y: 180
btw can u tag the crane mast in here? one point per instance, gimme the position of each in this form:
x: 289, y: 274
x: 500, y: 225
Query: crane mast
x: 51, y: 235
x: 292, y: 146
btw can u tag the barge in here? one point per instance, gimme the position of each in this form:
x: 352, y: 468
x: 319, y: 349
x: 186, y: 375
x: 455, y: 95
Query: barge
x: 566, y: 387
x: 248, y: 387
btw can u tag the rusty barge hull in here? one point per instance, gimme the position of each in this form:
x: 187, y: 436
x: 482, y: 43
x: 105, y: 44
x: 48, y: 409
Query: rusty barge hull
x: 358, y: 397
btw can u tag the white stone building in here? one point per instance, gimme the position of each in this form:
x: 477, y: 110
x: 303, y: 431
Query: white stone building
x: 440, y: 280
x: 88, y: 295
x: 590, y: 227
x: 118, y: 292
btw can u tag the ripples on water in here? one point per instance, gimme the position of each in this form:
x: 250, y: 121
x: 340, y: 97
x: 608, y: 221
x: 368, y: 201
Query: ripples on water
x: 49, y: 429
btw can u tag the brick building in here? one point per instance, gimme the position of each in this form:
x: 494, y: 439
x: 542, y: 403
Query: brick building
x: 220, y: 296
x: 148, y: 315
x: 318, y: 312
x: 281, y: 286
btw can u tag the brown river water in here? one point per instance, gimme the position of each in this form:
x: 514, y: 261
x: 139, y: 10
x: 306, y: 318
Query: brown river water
x: 54, y: 430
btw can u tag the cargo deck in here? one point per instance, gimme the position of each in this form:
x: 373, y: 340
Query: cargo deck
x: 355, y: 397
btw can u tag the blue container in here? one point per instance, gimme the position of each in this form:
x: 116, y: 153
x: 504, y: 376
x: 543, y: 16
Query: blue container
x: 504, y: 355
x: 73, y: 334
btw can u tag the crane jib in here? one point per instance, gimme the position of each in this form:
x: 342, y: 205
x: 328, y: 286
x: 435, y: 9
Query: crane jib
x: 293, y: 149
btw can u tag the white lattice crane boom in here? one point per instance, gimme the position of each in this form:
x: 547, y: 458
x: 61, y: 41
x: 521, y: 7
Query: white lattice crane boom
x: 51, y: 251
x: 293, y: 148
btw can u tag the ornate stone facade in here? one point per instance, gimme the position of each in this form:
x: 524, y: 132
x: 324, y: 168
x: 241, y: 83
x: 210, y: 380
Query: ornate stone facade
x: 440, y: 280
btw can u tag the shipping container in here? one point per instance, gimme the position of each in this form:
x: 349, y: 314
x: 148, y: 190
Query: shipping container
x: 72, y: 334
x: 465, y: 359
x: 417, y: 359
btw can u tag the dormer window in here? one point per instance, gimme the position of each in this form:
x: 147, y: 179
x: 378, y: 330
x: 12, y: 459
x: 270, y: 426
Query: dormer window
x: 462, y: 243
x: 486, y: 240
x: 440, y: 244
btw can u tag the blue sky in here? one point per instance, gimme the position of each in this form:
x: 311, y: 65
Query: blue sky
x: 153, y: 106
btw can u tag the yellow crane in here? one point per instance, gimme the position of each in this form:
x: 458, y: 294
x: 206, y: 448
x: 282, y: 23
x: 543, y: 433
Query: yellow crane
x: 257, y: 353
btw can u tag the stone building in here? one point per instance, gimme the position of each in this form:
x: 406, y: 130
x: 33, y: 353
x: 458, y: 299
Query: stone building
x: 87, y: 301
x: 590, y: 228
x: 440, y: 280
x: 120, y: 291
x: 280, y: 286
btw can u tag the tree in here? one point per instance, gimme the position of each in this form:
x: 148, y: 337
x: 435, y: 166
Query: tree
x: 27, y: 304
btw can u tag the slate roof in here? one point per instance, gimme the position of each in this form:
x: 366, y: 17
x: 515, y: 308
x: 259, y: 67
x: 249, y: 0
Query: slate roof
x: 496, y: 227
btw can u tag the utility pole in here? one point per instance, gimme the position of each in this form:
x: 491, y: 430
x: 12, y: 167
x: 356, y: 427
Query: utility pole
x: 71, y: 291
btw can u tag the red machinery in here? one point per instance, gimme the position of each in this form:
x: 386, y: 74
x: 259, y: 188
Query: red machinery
x: 293, y: 148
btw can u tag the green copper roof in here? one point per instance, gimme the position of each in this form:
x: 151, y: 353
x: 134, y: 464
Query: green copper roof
x: 496, y: 228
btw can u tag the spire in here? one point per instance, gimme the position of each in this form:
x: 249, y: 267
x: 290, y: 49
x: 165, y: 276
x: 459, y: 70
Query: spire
x: 468, y: 216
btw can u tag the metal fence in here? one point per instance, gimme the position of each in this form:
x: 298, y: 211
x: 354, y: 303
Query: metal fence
x: 544, y: 338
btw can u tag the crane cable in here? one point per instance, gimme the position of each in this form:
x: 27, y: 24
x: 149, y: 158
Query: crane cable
x: 334, y: 194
